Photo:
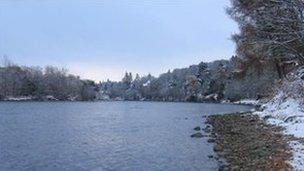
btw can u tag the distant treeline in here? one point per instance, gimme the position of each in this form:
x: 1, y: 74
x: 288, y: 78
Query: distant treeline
x: 214, y: 81
x: 50, y: 83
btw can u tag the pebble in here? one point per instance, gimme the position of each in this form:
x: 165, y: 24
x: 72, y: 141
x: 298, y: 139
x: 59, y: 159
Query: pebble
x: 197, y: 135
x: 197, y: 128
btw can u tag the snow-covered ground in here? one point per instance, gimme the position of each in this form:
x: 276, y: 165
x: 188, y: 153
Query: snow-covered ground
x: 290, y: 115
x: 248, y: 102
x: 286, y: 109
x: 25, y: 98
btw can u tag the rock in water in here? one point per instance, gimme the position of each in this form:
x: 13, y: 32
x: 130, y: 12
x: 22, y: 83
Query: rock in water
x: 217, y: 148
x: 197, y: 135
x: 211, y: 140
x: 197, y: 128
x: 210, y: 156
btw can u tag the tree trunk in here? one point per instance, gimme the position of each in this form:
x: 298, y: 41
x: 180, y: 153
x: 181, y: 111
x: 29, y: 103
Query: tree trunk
x: 279, y: 68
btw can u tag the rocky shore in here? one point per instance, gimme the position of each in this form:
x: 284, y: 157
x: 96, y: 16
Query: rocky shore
x: 246, y: 142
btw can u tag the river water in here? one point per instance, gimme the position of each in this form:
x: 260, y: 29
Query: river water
x: 55, y: 136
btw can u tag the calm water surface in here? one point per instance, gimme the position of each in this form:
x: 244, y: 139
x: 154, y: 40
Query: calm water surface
x: 40, y: 136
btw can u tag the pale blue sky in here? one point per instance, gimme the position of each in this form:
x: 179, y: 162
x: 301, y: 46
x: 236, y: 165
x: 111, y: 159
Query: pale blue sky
x: 101, y: 39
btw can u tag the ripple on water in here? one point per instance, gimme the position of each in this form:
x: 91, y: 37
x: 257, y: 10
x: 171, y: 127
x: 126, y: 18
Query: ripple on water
x: 105, y: 136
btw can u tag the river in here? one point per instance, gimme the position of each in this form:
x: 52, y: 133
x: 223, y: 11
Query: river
x: 49, y: 136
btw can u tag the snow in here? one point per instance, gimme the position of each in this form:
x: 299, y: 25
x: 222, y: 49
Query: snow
x: 286, y: 109
x: 290, y: 116
x: 297, y: 160
x: 147, y: 83
x: 50, y: 97
x: 287, y: 114
x: 212, y: 97
x: 25, y: 98
x: 248, y: 102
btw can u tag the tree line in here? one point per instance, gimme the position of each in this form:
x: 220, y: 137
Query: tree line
x: 50, y: 83
x: 213, y: 81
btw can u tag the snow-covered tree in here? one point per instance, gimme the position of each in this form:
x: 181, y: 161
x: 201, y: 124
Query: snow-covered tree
x: 17, y: 81
x: 192, y: 86
x: 270, y: 30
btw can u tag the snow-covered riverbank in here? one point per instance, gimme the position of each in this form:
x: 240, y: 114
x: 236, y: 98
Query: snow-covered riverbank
x: 289, y: 115
x: 286, y: 109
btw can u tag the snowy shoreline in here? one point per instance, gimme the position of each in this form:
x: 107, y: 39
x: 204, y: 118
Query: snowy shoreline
x: 289, y: 116
x: 286, y: 109
x: 287, y: 113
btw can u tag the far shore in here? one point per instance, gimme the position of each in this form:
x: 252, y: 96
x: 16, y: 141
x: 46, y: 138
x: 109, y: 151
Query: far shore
x: 113, y: 100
